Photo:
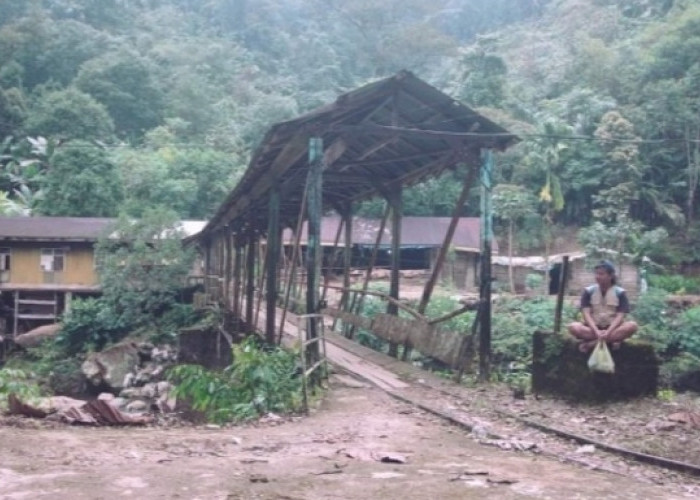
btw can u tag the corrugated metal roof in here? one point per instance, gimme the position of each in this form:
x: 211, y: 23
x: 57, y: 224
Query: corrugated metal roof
x: 394, y: 132
x: 53, y: 228
x: 415, y: 231
x: 68, y: 228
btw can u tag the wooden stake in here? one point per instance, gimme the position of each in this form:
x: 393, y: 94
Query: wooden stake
x: 563, y: 278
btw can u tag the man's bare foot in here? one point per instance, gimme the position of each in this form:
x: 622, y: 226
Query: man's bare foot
x: 587, y: 345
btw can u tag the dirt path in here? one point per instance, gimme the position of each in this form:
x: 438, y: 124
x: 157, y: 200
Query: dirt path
x: 329, y: 455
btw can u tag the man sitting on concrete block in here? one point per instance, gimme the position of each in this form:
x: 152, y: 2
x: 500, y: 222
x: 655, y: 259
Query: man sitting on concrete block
x: 604, y: 306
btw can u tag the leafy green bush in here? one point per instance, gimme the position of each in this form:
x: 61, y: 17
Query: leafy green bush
x: 676, y: 284
x: 656, y: 324
x: 370, y: 308
x: 258, y: 381
x: 18, y: 382
x: 441, y: 306
x: 171, y: 321
x: 89, y: 325
x: 515, y: 320
x: 688, y: 331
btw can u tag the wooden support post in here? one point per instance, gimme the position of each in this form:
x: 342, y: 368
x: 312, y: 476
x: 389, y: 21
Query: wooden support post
x: 250, y: 285
x: 228, y: 271
x: 314, y: 207
x: 293, y: 267
x: 485, y: 288
x: 347, y: 255
x: 332, y: 261
x: 207, y: 259
x: 273, y: 254
x: 358, y: 299
x: 442, y: 252
x: 396, y: 202
x: 16, y: 318
x: 68, y: 302
x: 262, y: 272
x: 563, y: 281
x: 237, y: 267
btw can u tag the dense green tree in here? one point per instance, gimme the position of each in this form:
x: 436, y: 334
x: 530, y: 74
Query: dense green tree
x: 142, y: 265
x: 81, y: 182
x: 512, y: 204
x: 12, y: 111
x: 123, y: 82
x: 483, y: 78
x: 69, y: 114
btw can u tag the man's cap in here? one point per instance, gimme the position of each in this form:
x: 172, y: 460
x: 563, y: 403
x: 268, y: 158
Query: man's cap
x: 607, y: 265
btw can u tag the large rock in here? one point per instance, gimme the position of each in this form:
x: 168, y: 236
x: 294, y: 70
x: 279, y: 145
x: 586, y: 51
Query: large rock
x: 108, y: 369
x: 206, y: 347
x: 558, y: 367
x: 36, y: 336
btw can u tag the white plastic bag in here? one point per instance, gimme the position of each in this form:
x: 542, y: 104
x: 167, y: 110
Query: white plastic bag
x: 601, y: 360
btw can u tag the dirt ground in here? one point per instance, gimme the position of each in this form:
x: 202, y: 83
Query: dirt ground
x: 333, y: 454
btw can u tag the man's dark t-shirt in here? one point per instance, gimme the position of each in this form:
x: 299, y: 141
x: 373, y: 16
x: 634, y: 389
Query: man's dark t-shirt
x: 623, y: 301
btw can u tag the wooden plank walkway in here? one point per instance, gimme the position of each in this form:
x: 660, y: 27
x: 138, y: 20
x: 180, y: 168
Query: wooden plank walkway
x: 339, y: 356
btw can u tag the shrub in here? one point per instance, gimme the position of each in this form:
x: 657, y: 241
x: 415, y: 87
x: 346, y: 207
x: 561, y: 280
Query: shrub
x: 258, y: 381
x: 655, y: 322
x: 515, y: 320
x: 18, y: 382
x: 89, y: 325
x: 676, y: 284
x: 370, y: 308
x: 688, y: 332
x: 441, y: 306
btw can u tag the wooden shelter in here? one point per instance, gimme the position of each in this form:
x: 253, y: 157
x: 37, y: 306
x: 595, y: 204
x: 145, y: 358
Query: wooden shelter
x: 371, y: 142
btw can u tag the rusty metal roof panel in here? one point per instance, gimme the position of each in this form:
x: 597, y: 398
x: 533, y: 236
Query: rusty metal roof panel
x: 52, y: 228
x: 415, y: 231
x: 396, y: 131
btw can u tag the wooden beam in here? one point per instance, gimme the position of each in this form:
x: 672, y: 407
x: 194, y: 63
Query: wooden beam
x: 293, y: 268
x: 494, y: 140
x: 356, y: 304
x: 485, y: 288
x: 314, y: 207
x: 237, y: 267
x: 273, y: 254
x: 447, y: 242
x: 396, y: 202
x: 250, y: 285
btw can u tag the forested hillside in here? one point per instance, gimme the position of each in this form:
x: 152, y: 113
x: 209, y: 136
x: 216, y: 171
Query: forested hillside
x: 110, y: 106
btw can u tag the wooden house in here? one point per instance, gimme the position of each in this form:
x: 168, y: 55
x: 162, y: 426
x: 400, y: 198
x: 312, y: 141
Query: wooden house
x: 45, y: 262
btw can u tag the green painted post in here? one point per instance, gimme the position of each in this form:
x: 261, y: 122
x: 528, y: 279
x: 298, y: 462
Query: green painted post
x: 314, y: 187
x: 485, y: 285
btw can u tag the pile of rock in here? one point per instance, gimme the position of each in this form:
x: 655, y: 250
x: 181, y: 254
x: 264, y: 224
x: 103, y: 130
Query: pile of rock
x: 130, y: 376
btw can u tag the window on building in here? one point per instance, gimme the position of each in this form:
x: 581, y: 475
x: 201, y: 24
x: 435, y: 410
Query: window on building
x: 5, y: 259
x: 52, y: 259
